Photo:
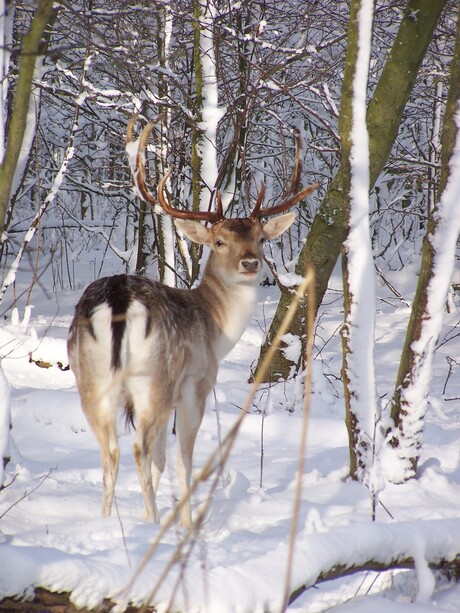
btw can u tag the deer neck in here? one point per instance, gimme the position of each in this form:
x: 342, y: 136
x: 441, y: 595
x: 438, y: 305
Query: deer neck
x: 231, y: 306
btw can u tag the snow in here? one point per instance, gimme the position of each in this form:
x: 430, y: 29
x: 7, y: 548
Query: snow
x: 52, y: 535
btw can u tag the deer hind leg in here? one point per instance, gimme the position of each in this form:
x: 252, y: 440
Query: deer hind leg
x: 151, y: 412
x: 101, y: 412
x: 189, y: 417
x: 149, y: 453
x: 110, y: 463
x: 158, y: 458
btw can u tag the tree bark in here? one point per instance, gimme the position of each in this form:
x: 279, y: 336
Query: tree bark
x: 449, y: 131
x: 328, y: 230
x: 18, y: 122
x: 408, y: 428
x: 358, y: 331
x: 196, y: 159
x: 58, y: 602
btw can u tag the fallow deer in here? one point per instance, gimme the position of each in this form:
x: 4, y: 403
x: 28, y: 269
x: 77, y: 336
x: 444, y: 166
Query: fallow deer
x: 137, y: 343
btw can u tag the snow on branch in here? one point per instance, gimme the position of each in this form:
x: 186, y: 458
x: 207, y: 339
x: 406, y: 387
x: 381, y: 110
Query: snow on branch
x: 59, y: 178
x: 423, y: 545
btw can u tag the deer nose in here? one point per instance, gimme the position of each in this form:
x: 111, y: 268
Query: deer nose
x: 250, y: 264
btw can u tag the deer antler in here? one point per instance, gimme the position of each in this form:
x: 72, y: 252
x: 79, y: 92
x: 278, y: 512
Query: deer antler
x: 138, y: 173
x: 211, y: 216
x: 139, y: 180
x: 295, y: 196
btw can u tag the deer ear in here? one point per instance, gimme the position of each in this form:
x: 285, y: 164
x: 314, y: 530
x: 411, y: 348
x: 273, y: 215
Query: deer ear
x: 276, y: 226
x: 194, y: 230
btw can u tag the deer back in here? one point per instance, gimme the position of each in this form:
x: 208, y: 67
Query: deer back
x: 142, y: 328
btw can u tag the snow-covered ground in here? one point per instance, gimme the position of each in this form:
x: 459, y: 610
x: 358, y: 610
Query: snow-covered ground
x: 51, y: 534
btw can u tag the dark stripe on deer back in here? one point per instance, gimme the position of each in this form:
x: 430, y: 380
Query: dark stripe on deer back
x: 116, y: 293
x: 119, y: 297
x: 121, y: 291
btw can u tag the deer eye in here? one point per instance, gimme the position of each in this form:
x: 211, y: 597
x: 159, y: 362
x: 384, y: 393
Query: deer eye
x: 219, y: 243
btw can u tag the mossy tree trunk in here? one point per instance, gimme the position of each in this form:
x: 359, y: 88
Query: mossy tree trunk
x: 324, y: 242
x: 358, y: 330
x: 18, y: 122
x: 411, y: 389
x: 14, y: 138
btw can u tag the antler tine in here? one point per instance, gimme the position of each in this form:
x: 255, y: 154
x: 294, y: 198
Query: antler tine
x: 260, y: 198
x: 219, y: 207
x: 295, y: 196
x: 130, y: 128
x: 140, y: 163
x: 289, y: 202
x: 138, y: 169
x: 210, y: 216
x: 139, y: 180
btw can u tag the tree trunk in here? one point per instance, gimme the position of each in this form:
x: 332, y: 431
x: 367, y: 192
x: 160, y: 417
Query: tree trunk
x: 409, y: 400
x: 384, y: 547
x: 358, y: 331
x: 162, y: 225
x: 385, y: 110
x: 18, y: 122
x: 196, y: 159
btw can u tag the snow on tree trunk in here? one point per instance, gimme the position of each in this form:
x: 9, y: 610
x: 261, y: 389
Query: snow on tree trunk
x: 358, y: 269
x: 20, y: 120
x: 207, y: 113
x: 211, y: 112
x: 165, y: 224
x: 6, y: 38
x: 324, y: 240
x: 410, y: 398
x: 438, y: 258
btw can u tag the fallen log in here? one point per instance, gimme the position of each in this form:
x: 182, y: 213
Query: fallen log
x: 450, y: 569
x: 45, y: 601
x: 423, y: 545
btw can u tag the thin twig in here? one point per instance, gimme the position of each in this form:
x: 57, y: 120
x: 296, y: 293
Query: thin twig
x: 28, y: 493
